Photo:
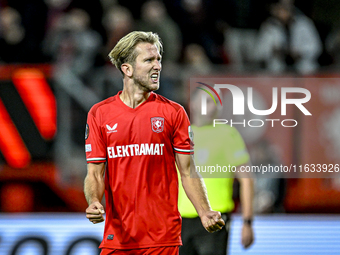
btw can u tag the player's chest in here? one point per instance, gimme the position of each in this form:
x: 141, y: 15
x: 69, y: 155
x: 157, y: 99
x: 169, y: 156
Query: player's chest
x: 127, y: 128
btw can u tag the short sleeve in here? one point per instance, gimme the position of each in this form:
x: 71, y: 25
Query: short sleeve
x: 183, y: 137
x: 95, y: 146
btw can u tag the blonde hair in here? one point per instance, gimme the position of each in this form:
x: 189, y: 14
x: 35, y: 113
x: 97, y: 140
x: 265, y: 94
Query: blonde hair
x: 124, y: 51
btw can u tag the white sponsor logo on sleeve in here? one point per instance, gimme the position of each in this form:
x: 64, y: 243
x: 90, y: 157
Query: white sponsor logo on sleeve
x: 88, y: 148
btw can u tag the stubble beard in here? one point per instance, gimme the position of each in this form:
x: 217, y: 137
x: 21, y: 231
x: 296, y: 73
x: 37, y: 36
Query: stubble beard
x: 145, y: 85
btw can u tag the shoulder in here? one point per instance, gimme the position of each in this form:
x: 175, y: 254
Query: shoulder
x: 95, y: 109
x: 302, y: 20
x: 164, y: 102
x: 270, y: 23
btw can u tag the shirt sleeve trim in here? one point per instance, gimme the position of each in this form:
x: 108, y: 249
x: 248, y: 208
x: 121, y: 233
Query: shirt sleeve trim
x: 184, y: 151
x: 96, y: 159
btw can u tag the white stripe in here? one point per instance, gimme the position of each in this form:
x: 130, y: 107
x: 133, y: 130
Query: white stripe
x: 95, y: 159
x: 183, y: 150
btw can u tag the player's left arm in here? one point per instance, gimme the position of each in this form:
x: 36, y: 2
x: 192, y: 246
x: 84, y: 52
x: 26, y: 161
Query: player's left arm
x: 196, y: 191
x: 246, y: 197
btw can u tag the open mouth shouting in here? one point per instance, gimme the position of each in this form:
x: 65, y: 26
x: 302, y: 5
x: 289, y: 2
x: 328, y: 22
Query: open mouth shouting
x: 155, y: 77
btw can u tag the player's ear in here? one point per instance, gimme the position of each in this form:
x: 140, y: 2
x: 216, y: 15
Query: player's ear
x: 127, y: 69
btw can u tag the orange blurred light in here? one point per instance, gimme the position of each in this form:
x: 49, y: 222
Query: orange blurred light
x: 11, y: 143
x: 17, y: 197
x: 38, y: 98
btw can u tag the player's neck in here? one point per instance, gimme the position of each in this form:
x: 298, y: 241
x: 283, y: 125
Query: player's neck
x: 133, y: 97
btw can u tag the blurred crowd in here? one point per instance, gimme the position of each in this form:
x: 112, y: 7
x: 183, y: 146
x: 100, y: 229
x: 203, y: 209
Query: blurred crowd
x: 199, y: 36
x: 275, y: 35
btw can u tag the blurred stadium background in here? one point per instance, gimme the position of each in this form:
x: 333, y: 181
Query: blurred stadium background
x: 54, y: 67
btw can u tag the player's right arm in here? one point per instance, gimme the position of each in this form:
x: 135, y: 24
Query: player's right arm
x: 94, y: 187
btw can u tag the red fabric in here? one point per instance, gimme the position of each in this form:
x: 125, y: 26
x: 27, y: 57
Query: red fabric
x: 170, y: 250
x: 141, y: 190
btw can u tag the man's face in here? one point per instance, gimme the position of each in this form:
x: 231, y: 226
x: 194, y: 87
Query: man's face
x: 147, y: 67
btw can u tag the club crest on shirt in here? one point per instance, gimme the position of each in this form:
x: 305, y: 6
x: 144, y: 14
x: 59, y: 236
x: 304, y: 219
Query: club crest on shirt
x: 157, y: 124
